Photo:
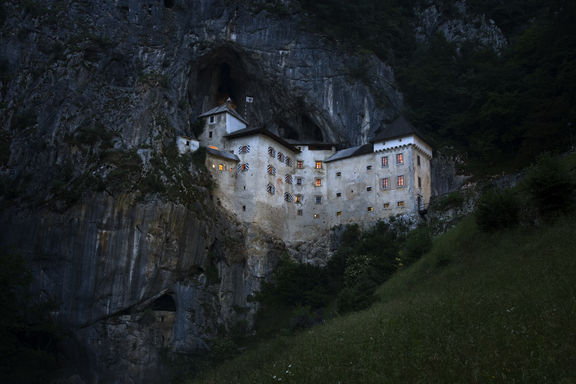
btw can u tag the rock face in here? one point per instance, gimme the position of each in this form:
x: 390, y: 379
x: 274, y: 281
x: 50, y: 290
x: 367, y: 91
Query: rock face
x: 119, y: 231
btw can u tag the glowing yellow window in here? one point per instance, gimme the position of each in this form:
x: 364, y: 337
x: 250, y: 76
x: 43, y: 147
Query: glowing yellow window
x: 220, y: 167
x: 339, y: 213
x: 318, y: 165
x: 400, y: 203
x: 316, y: 215
x: 318, y: 182
x: 370, y: 209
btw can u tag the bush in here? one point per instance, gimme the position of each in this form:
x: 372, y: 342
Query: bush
x: 497, y: 210
x: 550, y: 187
x: 417, y: 243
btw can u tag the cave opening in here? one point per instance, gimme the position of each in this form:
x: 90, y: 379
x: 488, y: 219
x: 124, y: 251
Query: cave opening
x: 311, y: 130
x: 164, y: 303
x: 222, y: 75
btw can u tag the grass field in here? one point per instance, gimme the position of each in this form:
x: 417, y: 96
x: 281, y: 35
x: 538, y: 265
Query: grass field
x: 478, y: 308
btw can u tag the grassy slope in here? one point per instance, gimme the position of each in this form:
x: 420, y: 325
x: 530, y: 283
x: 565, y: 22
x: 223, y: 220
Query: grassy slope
x: 478, y: 308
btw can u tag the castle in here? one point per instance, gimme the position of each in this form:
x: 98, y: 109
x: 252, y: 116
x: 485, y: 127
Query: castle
x: 299, y: 190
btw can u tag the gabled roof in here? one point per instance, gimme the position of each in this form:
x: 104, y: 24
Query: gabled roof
x: 225, y: 155
x: 262, y: 131
x: 224, y: 108
x: 398, y: 128
x: 351, y: 152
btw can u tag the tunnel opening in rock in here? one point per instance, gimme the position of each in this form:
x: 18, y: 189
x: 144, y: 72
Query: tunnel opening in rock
x: 169, y: 3
x: 222, y: 76
x: 164, y: 303
x: 310, y: 130
x: 286, y: 131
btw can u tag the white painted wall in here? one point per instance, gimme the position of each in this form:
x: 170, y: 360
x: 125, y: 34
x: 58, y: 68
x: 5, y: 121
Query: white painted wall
x: 233, y: 124
x: 186, y: 144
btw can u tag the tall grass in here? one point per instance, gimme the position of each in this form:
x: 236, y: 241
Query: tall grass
x: 480, y: 307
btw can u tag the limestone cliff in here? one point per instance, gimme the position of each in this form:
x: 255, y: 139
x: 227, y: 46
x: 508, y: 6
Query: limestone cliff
x: 119, y: 230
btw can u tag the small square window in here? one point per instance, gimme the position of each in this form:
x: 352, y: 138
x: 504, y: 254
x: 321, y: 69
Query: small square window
x: 386, y: 205
x: 318, y: 199
x: 318, y: 182
x: 299, y: 164
x: 338, y: 174
x: 298, y: 181
x: 400, y: 203
x: 338, y: 194
x: 298, y: 199
x: 385, y: 161
x: 399, y: 158
x: 368, y: 167
x: 220, y: 167
x: 370, y: 209
x: 339, y: 213
x: 244, y: 208
x: 368, y: 189
x: 318, y: 165
x: 211, y: 120
x: 210, y: 134
x: 299, y: 212
x: 187, y: 143
x: 316, y: 215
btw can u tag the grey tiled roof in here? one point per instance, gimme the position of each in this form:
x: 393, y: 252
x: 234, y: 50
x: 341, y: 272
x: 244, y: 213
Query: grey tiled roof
x: 224, y: 108
x: 351, y: 152
x: 225, y: 155
x: 398, y: 128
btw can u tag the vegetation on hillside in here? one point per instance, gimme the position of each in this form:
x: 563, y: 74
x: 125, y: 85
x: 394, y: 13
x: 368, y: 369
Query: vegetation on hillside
x: 501, y: 108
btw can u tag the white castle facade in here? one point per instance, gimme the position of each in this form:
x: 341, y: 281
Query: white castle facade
x: 298, y: 191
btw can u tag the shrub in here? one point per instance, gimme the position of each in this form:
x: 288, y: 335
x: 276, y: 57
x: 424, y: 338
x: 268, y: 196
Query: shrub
x: 497, y: 210
x: 417, y: 243
x: 550, y: 187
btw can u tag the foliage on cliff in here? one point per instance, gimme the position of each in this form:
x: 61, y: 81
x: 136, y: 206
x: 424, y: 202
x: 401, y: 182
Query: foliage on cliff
x: 499, y: 107
x: 479, y: 307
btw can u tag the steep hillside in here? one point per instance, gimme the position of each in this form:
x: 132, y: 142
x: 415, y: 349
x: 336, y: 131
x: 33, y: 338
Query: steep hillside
x: 478, y: 308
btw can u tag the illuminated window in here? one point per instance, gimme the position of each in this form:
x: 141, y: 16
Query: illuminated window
x: 316, y: 215
x: 385, y: 183
x: 299, y: 212
x: 419, y: 182
x: 211, y: 120
x: 271, y: 152
x: 220, y: 167
x: 280, y: 157
x: 386, y: 205
x: 299, y: 164
x: 288, y: 179
x: 368, y: 189
x: 318, y: 165
x: 400, y: 203
x: 399, y: 158
x: 287, y: 197
x: 271, y: 170
x: 338, y: 194
x: 370, y: 209
x: 384, y: 161
x: 288, y: 161
x: 298, y: 199
x: 270, y: 189
x: 318, y: 182
x: 244, y: 149
x: 400, y: 181
x: 418, y: 160
x: 243, y: 167
x: 298, y: 181
x: 338, y: 174
x: 339, y: 213
x: 318, y: 199
x: 368, y: 167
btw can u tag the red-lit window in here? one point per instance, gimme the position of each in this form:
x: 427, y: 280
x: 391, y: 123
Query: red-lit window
x: 385, y: 161
x: 400, y: 181
x: 385, y: 183
x: 399, y: 158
